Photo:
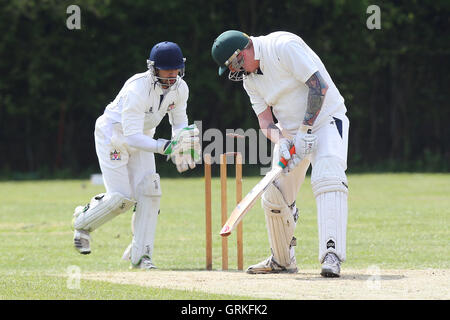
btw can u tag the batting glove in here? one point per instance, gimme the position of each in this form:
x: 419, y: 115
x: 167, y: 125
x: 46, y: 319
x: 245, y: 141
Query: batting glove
x: 292, y: 160
x: 305, y: 143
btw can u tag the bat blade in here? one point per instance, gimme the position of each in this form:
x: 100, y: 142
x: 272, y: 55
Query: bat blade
x: 247, y: 203
x: 249, y: 200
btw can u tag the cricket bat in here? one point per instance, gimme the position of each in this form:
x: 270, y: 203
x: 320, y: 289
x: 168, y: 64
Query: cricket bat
x: 249, y: 200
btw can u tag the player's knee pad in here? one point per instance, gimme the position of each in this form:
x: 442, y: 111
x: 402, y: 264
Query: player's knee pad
x: 280, y: 225
x: 328, y: 174
x: 329, y: 184
x: 102, y: 208
x: 148, y: 195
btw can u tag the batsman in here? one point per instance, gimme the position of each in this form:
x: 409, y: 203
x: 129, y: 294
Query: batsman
x: 283, y: 77
x: 125, y: 149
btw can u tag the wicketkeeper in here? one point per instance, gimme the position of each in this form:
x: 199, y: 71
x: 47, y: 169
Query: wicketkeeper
x: 125, y: 149
x: 283, y: 76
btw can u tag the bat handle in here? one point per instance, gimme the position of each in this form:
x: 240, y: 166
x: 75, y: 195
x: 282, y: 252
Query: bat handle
x: 283, y: 162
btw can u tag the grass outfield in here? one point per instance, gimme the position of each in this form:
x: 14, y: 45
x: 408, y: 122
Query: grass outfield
x: 396, y: 221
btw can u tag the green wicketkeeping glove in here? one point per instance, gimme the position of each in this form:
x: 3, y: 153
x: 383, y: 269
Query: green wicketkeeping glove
x: 184, y: 148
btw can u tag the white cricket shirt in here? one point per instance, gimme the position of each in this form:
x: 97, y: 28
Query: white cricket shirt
x: 286, y: 63
x: 141, y: 105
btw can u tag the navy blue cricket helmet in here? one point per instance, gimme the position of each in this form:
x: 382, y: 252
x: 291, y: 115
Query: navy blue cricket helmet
x: 166, y: 55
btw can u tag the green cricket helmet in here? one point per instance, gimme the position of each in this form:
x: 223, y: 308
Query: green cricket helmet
x: 226, y: 47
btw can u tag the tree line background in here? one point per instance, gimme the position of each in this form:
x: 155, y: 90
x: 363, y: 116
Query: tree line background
x: 55, y: 82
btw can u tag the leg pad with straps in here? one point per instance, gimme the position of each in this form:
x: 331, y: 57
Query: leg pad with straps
x: 148, y: 194
x: 101, y: 209
x: 280, y: 225
x: 329, y: 185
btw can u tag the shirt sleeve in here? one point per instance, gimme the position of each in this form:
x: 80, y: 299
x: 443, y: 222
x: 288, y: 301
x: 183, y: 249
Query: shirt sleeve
x: 133, y: 114
x: 143, y: 142
x: 296, y: 60
x: 177, y: 116
x: 258, y: 103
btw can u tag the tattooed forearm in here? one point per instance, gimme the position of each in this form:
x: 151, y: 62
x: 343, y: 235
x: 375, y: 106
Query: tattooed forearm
x: 317, y: 89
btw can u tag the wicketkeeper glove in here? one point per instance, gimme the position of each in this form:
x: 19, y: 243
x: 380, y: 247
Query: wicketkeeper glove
x: 184, y: 149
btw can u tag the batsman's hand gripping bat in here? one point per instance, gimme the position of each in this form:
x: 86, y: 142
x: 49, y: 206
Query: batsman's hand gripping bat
x: 249, y: 200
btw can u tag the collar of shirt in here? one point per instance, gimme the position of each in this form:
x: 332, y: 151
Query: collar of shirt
x: 257, y: 42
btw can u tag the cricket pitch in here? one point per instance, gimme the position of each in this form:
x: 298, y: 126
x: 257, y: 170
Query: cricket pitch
x: 306, y: 284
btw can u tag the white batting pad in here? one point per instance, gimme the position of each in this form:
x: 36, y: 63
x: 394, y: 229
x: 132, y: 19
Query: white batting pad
x: 329, y: 184
x: 328, y: 174
x: 102, y: 208
x: 127, y: 253
x: 146, y: 216
x: 280, y: 225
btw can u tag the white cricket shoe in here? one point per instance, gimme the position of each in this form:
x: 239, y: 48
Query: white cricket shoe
x: 331, y: 266
x: 145, y: 263
x: 81, y: 238
x: 81, y: 241
x: 271, y: 266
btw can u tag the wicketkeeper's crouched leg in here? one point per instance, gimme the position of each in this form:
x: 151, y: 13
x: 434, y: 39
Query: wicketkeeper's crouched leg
x: 101, y: 209
x: 148, y: 196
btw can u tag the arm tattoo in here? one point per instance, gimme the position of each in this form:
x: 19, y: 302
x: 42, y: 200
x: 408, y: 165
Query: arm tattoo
x: 317, y: 89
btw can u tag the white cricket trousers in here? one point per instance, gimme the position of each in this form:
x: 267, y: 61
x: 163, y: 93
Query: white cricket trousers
x: 329, y: 162
x: 123, y: 167
x: 332, y: 142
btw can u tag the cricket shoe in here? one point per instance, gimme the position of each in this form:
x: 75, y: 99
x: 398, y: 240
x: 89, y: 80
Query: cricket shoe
x: 331, y: 266
x: 271, y: 266
x: 145, y: 263
x: 81, y: 241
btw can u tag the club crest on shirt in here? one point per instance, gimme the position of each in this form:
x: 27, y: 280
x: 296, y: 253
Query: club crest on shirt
x: 114, y: 155
x: 171, y: 106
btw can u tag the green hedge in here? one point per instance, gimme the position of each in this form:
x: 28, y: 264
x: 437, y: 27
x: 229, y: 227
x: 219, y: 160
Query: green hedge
x: 55, y: 81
